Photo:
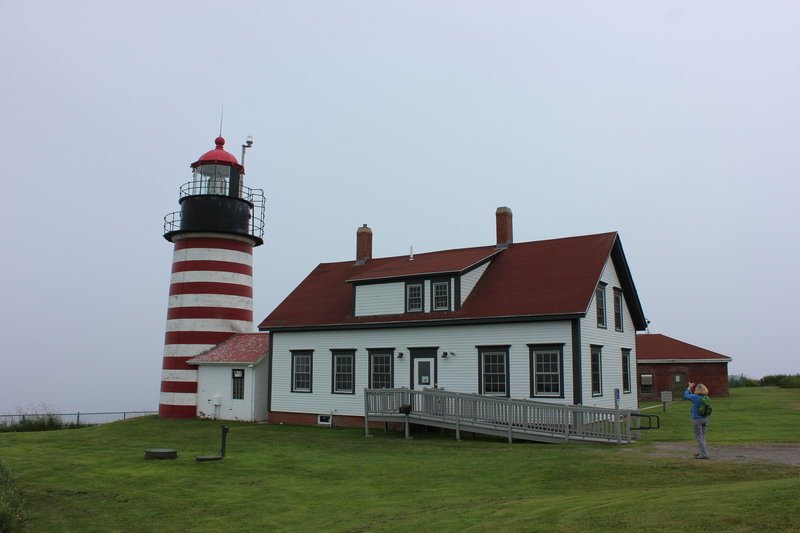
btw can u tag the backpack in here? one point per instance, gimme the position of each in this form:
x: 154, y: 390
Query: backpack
x: 705, y: 406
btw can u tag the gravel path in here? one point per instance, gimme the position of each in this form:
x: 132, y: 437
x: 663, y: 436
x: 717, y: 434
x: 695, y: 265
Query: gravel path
x: 782, y: 453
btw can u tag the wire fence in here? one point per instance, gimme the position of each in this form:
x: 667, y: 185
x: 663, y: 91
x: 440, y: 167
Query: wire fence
x: 78, y: 418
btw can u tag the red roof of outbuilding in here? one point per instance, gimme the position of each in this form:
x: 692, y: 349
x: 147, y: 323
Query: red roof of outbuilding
x: 540, y: 278
x: 660, y: 347
x: 239, y: 348
x: 218, y: 155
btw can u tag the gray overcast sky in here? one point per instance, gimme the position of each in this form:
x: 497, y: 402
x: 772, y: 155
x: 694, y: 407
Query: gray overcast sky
x: 674, y: 123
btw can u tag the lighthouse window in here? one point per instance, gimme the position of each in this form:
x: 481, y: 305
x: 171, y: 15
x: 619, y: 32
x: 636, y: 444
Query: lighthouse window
x: 211, y: 179
x: 238, y: 384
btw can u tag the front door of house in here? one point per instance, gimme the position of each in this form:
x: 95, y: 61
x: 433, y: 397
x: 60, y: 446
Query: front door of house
x: 423, y: 368
x: 679, y: 383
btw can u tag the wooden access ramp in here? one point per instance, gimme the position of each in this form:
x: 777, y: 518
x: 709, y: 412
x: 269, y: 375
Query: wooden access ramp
x: 504, y: 417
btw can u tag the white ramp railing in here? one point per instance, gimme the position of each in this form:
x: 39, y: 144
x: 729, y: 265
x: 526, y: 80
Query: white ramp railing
x: 512, y: 418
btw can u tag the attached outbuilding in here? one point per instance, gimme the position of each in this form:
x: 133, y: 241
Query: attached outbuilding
x: 667, y: 364
x: 233, y: 379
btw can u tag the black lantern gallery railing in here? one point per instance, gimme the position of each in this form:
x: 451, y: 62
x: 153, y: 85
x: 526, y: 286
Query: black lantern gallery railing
x: 254, y: 197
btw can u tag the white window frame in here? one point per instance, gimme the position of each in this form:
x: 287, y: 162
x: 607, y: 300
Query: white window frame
x: 415, y: 308
x: 537, y: 371
x: 502, y: 353
x: 436, y: 297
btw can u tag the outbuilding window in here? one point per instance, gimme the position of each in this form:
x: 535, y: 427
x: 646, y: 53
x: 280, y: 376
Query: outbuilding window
x: 237, y: 384
x: 646, y: 383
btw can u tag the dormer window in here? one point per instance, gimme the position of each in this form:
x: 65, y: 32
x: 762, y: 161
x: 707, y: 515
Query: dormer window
x: 413, y: 297
x: 441, y: 296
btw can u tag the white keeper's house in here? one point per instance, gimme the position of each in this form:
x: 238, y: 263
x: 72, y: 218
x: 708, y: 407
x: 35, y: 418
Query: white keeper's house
x: 551, y: 320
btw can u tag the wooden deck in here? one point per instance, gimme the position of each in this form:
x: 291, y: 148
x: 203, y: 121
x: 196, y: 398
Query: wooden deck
x: 505, y: 417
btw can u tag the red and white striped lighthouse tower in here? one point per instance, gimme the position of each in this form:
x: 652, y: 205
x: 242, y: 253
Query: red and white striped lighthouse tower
x: 211, y: 290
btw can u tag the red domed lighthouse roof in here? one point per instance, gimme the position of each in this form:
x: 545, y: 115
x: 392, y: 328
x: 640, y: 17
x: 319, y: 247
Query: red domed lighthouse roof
x: 218, y: 156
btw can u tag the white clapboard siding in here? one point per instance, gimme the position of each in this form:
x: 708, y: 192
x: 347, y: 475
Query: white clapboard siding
x: 215, y: 380
x: 470, y: 279
x: 457, y: 373
x: 380, y: 299
x: 612, y: 342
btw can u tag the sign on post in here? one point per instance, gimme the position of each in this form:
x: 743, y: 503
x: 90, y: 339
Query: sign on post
x: 666, y: 397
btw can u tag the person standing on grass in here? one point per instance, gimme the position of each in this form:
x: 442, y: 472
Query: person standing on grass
x: 695, y: 393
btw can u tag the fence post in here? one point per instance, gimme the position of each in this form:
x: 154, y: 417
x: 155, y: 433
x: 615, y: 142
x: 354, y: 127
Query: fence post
x: 366, y: 413
x: 509, y: 414
x: 572, y: 414
x: 78, y: 419
x: 458, y: 416
x: 617, y: 414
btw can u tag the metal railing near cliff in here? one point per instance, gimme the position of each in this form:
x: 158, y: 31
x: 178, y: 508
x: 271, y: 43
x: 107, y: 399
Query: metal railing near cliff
x: 91, y: 419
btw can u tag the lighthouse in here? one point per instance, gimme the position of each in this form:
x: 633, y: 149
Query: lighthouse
x: 211, y: 289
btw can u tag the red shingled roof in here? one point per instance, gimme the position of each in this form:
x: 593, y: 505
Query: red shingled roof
x: 421, y: 264
x: 660, y: 347
x: 540, y: 278
x: 239, y: 348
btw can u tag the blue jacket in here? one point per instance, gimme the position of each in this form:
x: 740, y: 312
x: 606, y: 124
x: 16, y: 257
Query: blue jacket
x: 695, y: 398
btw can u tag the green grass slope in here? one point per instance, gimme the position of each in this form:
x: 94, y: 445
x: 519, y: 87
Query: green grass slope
x: 285, y: 478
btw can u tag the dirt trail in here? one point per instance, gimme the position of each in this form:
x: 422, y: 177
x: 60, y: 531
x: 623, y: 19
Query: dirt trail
x: 782, y: 453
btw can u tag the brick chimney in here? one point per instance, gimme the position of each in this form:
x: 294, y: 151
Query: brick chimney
x: 505, y: 233
x: 363, y: 244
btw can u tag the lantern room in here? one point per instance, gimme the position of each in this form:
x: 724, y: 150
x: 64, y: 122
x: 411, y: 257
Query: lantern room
x: 216, y: 199
x: 217, y: 172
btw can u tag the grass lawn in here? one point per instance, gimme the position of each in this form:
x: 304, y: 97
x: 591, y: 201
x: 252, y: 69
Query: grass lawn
x: 286, y: 478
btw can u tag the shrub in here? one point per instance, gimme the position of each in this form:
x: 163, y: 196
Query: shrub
x: 742, y: 381
x: 12, y: 517
x: 781, y: 380
x: 790, y: 382
x: 41, y: 421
